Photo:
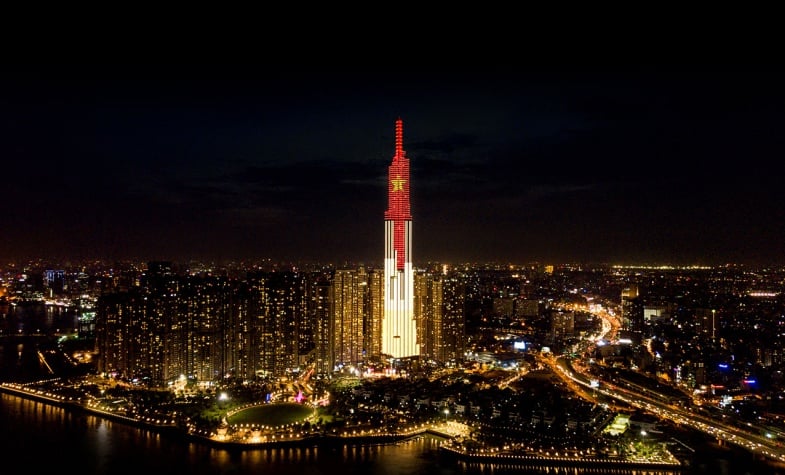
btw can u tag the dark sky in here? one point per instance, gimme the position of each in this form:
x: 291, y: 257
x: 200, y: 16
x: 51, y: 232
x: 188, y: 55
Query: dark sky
x: 641, y: 165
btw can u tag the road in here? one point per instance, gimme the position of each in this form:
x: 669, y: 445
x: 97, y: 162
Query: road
x: 749, y: 438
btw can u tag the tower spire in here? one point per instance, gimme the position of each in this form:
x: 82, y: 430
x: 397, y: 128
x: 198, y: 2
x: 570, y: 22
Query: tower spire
x: 399, y: 153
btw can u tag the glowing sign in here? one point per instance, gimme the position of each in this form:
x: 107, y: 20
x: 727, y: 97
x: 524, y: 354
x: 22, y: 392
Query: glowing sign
x: 398, y: 184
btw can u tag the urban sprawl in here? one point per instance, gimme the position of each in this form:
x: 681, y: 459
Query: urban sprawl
x: 572, y: 363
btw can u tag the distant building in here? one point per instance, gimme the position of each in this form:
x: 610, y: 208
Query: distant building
x: 527, y: 307
x: 563, y: 324
x: 503, y: 306
x: 654, y: 313
x: 54, y: 281
x: 706, y: 320
x: 453, y: 318
x: 632, y: 311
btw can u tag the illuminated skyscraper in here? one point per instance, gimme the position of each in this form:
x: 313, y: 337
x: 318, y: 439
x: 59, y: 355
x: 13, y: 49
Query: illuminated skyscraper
x: 375, y: 315
x: 429, y: 313
x: 399, y: 328
x: 348, y: 310
x: 632, y: 309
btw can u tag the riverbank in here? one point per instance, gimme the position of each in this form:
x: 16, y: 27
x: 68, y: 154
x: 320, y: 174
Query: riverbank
x: 515, y: 460
x: 77, y: 406
x: 330, y: 440
x: 211, y: 439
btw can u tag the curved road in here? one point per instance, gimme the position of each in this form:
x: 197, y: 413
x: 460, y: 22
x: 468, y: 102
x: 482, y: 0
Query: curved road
x: 580, y: 383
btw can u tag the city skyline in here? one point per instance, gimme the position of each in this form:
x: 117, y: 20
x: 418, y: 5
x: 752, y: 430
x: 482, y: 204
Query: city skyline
x: 647, y: 165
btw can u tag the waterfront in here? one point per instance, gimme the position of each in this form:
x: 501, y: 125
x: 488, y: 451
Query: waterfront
x: 76, y: 439
x: 40, y: 438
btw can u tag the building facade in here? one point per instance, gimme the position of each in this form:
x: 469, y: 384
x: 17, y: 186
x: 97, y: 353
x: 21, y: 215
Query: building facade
x: 399, y: 327
x: 348, y: 314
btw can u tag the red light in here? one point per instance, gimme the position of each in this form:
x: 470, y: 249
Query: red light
x: 398, y: 206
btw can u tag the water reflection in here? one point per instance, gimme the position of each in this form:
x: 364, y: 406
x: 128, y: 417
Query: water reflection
x: 71, y: 441
x: 492, y: 469
x: 37, y: 318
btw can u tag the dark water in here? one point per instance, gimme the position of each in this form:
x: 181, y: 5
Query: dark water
x: 38, y: 438
x: 36, y: 318
x: 26, y: 329
x: 43, y: 439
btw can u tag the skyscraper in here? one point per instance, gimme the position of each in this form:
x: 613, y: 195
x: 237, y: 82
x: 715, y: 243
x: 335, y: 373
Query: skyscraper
x: 399, y: 328
x: 348, y: 310
x: 632, y: 311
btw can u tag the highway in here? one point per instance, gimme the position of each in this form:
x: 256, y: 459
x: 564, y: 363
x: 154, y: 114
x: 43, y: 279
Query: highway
x: 749, y: 438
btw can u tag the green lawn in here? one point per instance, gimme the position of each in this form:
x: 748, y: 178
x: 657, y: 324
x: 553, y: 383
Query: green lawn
x: 272, y: 414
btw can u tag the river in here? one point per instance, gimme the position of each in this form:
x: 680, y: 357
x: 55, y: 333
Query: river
x: 37, y: 438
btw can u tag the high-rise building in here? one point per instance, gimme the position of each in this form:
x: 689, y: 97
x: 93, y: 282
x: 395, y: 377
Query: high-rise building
x: 348, y: 302
x: 321, y: 323
x: 453, y: 318
x: 429, y: 312
x: 375, y: 315
x: 562, y: 324
x: 283, y: 314
x: 55, y: 281
x: 707, y: 321
x: 632, y: 313
x: 399, y: 328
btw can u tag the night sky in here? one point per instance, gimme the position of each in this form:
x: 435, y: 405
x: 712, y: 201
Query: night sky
x: 642, y: 165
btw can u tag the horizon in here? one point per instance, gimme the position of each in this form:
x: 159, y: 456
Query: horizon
x: 283, y: 264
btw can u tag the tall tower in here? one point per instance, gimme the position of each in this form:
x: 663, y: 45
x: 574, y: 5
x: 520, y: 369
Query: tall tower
x: 399, y: 328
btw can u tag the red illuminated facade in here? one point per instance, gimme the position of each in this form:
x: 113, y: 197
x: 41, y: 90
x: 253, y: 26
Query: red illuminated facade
x: 398, y: 209
x: 399, y: 329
